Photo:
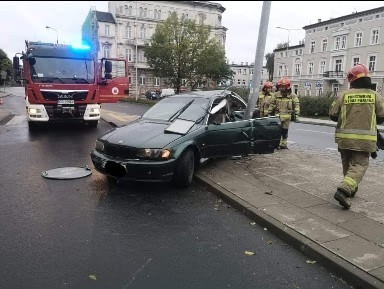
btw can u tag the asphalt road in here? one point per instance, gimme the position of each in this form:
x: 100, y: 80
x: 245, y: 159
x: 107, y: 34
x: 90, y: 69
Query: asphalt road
x: 87, y: 233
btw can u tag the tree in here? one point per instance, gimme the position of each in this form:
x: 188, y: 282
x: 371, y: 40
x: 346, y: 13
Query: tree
x: 282, y: 45
x: 270, y: 57
x: 180, y: 49
x: 5, y: 63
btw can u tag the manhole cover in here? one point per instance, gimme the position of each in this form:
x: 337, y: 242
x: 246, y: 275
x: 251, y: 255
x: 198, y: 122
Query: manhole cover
x: 67, y: 173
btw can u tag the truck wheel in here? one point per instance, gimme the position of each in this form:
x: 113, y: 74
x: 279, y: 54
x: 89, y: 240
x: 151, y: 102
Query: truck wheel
x: 184, y: 169
x: 93, y: 123
x: 32, y: 125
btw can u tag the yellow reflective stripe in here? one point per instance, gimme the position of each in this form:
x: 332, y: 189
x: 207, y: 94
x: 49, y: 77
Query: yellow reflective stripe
x: 351, y: 182
x: 343, y: 116
x: 356, y: 131
x: 359, y: 98
x: 373, y: 121
x: 285, y: 115
x: 356, y: 136
x: 284, y: 100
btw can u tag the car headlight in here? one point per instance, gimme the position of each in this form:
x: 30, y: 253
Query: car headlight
x: 154, y: 153
x: 99, y: 145
x: 34, y: 110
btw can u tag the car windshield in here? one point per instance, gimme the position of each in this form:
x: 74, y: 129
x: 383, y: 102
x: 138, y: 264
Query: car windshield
x: 63, y: 70
x: 168, y: 107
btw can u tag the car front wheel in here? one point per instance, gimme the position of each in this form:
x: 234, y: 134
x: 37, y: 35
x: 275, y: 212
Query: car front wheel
x: 184, y: 169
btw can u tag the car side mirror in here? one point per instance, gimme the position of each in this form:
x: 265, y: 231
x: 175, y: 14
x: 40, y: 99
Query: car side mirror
x: 108, y: 67
x: 16, y: 63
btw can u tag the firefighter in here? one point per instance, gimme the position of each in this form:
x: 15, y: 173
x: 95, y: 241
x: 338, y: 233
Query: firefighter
x: 287, y: 106
x: 357, y: 112
x: 264, y: 99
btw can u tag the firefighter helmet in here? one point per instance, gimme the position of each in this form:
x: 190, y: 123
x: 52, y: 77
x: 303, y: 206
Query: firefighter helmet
x: 356, y: 72
x: 267, y: 84
x: 284, y: 82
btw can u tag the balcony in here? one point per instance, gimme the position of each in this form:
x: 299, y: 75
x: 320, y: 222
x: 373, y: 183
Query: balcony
x: 334, y: 75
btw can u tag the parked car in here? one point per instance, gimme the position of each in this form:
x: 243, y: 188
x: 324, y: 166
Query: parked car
x: 169, y: 140
x: 153, y: 95
x: 165, y: 92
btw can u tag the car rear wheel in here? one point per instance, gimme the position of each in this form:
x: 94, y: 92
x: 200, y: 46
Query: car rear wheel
x: 184, y: 169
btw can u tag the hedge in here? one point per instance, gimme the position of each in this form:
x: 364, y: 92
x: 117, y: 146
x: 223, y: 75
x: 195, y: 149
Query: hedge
x: 314, y: 106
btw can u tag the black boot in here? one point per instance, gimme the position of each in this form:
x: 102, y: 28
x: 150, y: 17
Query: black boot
x: 343, y: 199
x: 354, y: 193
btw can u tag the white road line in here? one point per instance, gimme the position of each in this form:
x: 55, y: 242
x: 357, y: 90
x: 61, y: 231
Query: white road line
x: 18, y: 119
x: 314, y: 131
x: 331, y: 149
x: 291, y: 142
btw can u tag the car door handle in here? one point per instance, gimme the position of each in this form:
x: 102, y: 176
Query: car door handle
x: 273, y: 123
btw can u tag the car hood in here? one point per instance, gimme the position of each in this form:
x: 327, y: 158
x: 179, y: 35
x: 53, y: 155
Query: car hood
x: 142, y: 134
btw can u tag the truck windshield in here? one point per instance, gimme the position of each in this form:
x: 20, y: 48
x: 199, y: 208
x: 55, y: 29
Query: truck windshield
x: 63, y: 70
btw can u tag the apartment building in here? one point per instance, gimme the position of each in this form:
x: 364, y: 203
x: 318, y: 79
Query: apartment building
x: 243, y: 74
x: 331, y: 48
x: 123, y: 31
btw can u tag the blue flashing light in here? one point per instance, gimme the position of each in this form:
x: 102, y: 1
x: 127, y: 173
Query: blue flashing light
x: 80, y: 46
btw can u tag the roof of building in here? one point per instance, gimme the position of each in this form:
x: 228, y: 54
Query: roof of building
x: 346, y: 17
x: 204, y: 4
x: 105, y: 17
x: 289, y: 48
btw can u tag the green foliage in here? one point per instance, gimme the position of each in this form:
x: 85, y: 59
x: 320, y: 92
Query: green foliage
x: 5, y: 63
x: 315, y: 106
x: 181, y: 49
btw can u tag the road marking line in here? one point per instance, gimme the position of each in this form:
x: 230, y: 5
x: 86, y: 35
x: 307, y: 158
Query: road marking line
x: 331, y: 149
x: 18, y: 119
x: 314, y: 131
x: 291, y: 142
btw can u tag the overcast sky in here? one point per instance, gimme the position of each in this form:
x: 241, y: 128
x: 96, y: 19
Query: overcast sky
x: 27, y: 20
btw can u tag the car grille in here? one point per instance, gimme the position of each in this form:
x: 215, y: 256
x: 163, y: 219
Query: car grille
x: 54, y: 95
x: 120, y: 151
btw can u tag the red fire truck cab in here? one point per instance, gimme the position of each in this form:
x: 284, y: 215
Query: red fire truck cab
x: 68, y: 83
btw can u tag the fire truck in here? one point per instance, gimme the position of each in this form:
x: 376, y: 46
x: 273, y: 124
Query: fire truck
x: 68, y: 82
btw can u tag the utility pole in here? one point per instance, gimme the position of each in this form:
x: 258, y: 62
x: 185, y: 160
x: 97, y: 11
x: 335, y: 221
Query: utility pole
x: 259, y: 57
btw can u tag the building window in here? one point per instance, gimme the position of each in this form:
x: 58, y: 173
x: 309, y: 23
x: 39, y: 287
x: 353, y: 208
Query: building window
x: 157, y: 14
x: 126, y: 10
x: 297, y: 69
x: 141, y: 57
x: 301, y: 51
x: 239, y: 71
x: 106, y: 29
x: 325, y: 44
x: 219, y: 20
x: 322, y: 67
x: 243, y: 82
x: 251, y: 71
x: 313, y: 44
x: 343, y: 42
x: 128, y: 54
x: 319, y: 91
x: 356, y: 60
x: 281, y: 54
x: 142, y: 79
x: 280, y: 71
x: 156, y: 80
x: 141, y: 12
x: 128, y: 31
x: 245, y: 71
x: 375, y: 36
x: 130, y: 10
x: 372, y: 63
x: 338, y: 65
x: 297, y: 52
x: 143, y: 32
x: 106, y: 51
x: 358, y: 38
x: 238, y: 82
x: 337, y: 43
x: 335, y: 88
x: 285, y: 70
x: 310, y: 68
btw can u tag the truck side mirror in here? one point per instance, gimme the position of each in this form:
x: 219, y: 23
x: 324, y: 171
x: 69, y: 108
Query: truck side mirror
x: 108, y: 66
x: 16, y: 63
x: 32, y: 60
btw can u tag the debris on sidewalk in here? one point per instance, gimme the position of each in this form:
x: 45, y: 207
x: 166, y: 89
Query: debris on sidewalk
x: 249, y: 253
x: 269, y: 193
x: 310, y: 262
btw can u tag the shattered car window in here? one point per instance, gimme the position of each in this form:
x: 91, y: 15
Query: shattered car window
x: 166, y: 108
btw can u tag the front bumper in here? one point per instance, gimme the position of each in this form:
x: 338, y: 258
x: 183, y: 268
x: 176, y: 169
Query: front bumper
x: 135, y: 170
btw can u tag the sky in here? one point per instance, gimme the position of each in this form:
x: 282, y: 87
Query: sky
x: 28, y: 20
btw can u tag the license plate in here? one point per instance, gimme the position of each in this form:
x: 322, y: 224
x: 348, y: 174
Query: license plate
x: 65, y: 101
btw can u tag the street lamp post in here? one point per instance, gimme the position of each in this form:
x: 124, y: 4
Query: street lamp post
x: 57, y: 35
x: 289, y: 31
